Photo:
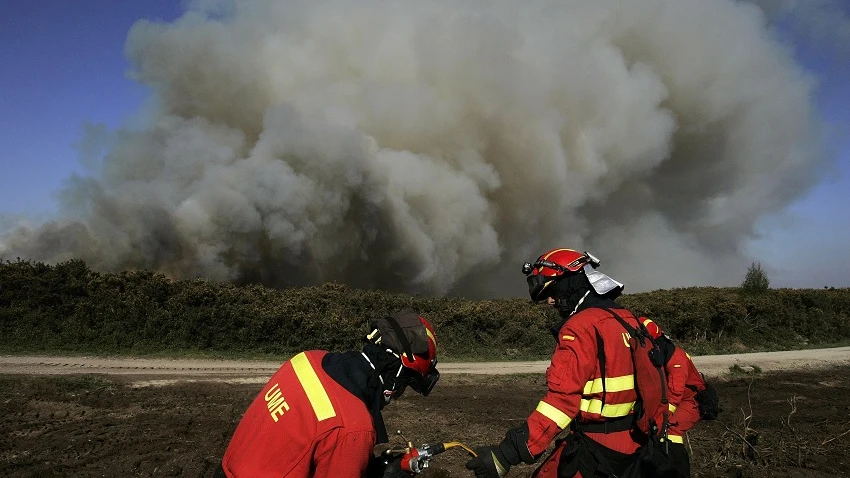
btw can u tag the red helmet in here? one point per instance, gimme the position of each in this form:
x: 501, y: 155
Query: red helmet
x: 423, y: 362
x: 652, y: 328
x: 551, y: 266
x: 411, y: 338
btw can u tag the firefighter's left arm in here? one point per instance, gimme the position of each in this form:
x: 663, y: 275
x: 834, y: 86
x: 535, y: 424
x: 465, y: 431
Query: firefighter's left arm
x: 677, y: 375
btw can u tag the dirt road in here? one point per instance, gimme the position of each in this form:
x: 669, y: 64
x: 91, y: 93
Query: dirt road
x: 248, y: 371
x: 94, y: 417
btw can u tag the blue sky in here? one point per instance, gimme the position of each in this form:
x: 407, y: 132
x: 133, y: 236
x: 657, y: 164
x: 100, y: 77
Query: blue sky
x: 62, y: 66
x: 817, y: 226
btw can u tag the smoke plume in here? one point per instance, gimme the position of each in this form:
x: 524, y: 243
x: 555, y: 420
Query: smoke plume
x: 432, y: 147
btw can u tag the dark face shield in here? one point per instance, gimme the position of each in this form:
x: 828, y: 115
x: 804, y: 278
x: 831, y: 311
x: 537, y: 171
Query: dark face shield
x: 537, y: 285
x: 424, y: 385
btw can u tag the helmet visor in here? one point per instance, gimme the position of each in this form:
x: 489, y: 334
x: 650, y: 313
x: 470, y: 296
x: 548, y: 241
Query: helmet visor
x: 423, y: 384
x: 539, y: 286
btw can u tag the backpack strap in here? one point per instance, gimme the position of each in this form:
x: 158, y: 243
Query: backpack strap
x: 600, y: 355
x: 608, y: 426
x: 641, y: 334
x: 636, y: 333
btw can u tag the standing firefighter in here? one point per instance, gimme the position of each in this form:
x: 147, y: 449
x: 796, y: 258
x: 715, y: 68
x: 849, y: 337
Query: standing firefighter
x: 320, y: 414
x: 591, y: 378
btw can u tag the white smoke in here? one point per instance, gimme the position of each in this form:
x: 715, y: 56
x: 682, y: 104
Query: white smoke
x: 432, y: 147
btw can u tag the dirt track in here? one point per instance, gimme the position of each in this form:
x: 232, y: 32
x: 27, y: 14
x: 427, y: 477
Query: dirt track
x: 94, y: 417
x: 250, y: 371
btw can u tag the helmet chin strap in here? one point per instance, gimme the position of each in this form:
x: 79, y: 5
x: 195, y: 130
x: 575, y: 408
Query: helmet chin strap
x: 579, y: 302
x: 564, y: 304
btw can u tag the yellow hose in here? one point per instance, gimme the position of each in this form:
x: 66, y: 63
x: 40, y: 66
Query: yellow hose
x: 453, y: 444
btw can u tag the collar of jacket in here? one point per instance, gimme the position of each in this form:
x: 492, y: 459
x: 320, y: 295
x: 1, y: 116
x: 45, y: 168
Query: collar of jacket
x: 592, y: 300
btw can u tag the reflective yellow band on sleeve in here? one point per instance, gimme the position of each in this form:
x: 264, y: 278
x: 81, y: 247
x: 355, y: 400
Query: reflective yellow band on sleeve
x: 319, y: 400
x: 675, y: 438
x: 560, y: 418
x: 609, y: 410
x: 671, y: 407
x: 612, y: 384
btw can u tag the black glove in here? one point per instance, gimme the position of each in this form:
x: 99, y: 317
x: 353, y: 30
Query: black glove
x: 514, y: 447
x: 494, y: 462
x: 490, y: 463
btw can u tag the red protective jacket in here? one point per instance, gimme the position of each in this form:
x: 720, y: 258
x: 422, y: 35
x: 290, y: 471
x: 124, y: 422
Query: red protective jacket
x: 302, y: 424
x: 683, y: 380
x: 574, y: 380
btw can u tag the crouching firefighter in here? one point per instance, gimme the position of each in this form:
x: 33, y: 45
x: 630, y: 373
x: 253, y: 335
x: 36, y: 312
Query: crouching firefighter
x: 691, y: 399
x: 320, y: 414
x: 590, y: 380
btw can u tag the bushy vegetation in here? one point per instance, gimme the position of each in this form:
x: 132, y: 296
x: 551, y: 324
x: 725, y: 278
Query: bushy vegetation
x: 68, y: 307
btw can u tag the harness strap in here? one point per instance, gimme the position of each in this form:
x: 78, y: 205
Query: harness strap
x: 641, y: 334
x: 600, y: 355
x: 631, y: 330
x: 620, y: 424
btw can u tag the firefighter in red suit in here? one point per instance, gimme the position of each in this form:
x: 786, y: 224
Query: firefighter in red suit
x: 683, y: 383
x: 591, y: 386
x: 320, y: 414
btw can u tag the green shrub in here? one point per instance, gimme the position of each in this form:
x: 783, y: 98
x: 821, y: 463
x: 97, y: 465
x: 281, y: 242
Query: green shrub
x: 68, y: 307
x: 756, y: 279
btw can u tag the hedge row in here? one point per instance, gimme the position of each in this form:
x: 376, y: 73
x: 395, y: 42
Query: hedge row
x: 68, y: 307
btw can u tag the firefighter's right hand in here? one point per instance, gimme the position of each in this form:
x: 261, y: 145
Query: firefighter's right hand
x: 490, y: 463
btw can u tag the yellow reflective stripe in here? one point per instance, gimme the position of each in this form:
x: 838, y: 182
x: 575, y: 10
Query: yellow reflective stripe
x: 609, y: 410
x: 612, y: 384
x: 675, y: 438
x: 671, y: 407
x: 560, y: 418
x: 646, y: 322
x: 322, y: 406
